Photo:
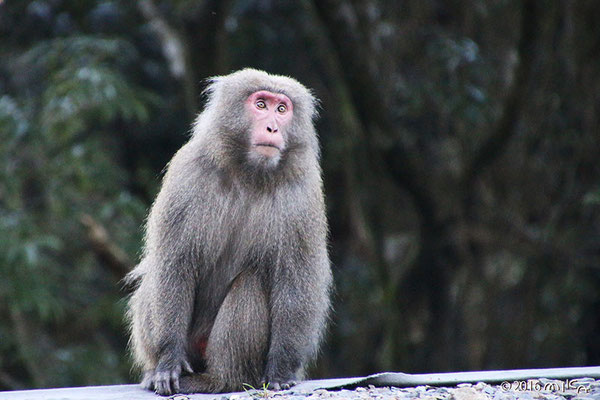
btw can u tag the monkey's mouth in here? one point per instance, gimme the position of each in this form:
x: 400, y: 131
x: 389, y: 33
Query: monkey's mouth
x: 267, y: 145
x: 267, y: 149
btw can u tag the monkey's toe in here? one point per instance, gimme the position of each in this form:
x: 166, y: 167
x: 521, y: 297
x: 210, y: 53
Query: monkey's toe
x: 147, y: 382
x: 283, y: 385
x: 287, y: 385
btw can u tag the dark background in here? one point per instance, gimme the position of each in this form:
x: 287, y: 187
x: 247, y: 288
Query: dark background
x: 461, y: 145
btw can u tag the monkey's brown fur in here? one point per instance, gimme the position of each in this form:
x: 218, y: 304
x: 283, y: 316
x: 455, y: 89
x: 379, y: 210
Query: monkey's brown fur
x: 235, y: 253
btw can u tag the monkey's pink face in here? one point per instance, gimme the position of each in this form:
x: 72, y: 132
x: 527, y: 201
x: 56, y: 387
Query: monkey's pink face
x: 270, y: 114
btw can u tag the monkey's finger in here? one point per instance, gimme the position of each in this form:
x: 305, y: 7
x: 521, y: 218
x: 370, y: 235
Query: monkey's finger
x: 187, y: 367
x: 175, y: 380
x: 163, y: 388
x: 162, y: 383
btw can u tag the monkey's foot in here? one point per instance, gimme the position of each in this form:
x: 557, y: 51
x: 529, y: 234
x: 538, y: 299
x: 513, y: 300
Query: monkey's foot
x: 165, y: 381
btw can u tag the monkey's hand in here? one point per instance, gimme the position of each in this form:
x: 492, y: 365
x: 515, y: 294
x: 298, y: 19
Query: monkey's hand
x: 166, y: 375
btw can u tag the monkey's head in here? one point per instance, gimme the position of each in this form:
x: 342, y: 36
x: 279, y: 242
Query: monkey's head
x: 262, y: 122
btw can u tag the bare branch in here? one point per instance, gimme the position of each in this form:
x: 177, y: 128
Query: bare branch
x: 346, y: 117
x: 369, y: 94
x: 495, y: 144
x: 174, y: 49
x: 368, y: 89
x: 31, y: 345
x: 107, y: 251
x: 10, y: 382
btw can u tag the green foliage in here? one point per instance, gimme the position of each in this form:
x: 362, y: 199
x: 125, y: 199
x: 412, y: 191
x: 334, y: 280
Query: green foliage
x: 71, y: 99
x: 260, y: 393
x: 85, y: 85
x: 29, y: 283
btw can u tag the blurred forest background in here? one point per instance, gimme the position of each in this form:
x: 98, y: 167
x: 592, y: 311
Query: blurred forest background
x: 461, y: 145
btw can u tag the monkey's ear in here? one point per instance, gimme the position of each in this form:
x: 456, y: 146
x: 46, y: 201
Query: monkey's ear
x: 316, y: 105
x: 210, y: 87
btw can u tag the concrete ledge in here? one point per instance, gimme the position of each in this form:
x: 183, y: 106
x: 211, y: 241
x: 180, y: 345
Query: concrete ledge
x: 385, y: 379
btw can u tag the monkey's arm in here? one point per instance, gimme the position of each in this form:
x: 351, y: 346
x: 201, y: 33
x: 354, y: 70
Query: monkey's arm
x: 171, y: 282
x: 172, y: 312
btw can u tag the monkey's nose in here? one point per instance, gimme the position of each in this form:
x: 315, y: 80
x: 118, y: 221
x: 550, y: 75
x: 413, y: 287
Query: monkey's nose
x: 271, y: 130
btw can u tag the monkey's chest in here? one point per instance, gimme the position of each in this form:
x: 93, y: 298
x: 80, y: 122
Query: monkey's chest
x: 245, y: 227
x: 244, y: 245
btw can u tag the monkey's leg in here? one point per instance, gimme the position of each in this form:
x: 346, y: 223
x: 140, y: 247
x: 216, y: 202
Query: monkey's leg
x: 298, y: 304
x: 238, y: 342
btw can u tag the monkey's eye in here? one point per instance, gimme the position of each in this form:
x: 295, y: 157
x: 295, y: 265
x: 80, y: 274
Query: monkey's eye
x: 261, y: 104
x: 281, y: 108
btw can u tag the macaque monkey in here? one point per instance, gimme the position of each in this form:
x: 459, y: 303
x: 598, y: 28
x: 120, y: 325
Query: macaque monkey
x: 233, y: 285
